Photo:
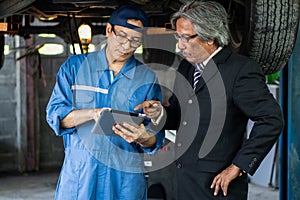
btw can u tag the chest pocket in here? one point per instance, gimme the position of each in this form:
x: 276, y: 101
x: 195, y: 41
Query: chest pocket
x: 83, y: 99
x: 130, y: 96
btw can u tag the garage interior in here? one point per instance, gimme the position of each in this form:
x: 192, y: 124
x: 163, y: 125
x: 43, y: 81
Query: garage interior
x: 31, y: 154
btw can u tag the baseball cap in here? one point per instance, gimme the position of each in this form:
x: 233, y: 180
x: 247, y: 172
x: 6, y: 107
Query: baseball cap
x: 123, y: 13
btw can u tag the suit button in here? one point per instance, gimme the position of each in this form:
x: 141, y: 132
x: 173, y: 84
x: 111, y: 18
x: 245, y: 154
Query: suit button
x: 253, y: 161
x: 179, y: 165
x: 184, y: 123
x: 179, y: 145
x: 190, y: 101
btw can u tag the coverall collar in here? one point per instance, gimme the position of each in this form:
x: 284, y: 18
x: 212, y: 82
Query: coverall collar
x: 127, y: 70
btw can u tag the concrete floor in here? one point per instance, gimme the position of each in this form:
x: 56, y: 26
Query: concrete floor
x: 36, y: 186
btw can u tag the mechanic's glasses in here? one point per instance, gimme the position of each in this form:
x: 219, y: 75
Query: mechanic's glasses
x: 135, y: 42
x: 184, y: 39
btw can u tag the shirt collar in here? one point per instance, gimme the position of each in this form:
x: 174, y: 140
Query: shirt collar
x: 212, y: 55
x: 129, y: 67
x: 101, y: 60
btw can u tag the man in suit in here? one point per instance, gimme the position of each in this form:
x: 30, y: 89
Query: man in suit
x: 216, y: 92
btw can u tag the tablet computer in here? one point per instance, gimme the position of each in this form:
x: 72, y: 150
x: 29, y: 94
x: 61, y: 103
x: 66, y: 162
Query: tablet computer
x: 109, y: 117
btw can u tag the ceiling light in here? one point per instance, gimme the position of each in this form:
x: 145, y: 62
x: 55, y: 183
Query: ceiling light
x: 85, y: 36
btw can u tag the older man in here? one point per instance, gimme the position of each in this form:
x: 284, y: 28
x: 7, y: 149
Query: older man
x: 216, y: 92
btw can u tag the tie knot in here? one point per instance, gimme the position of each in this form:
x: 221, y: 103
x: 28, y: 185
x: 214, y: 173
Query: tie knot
x: 200, y: 67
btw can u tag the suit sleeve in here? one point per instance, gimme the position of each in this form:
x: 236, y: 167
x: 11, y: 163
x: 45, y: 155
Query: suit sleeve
x: 252, y: 96
x: 154, y: 93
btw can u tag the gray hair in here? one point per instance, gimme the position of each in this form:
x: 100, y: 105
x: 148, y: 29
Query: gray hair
x: 209, y: 19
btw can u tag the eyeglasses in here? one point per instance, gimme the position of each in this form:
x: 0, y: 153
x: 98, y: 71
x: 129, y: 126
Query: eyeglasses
x: 184, y: 39
x: 122, y: 39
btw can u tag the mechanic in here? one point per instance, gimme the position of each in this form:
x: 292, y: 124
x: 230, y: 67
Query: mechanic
x: 97, y: 166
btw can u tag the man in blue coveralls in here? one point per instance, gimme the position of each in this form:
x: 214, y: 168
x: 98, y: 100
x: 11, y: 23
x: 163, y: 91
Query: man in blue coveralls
x: 98, y: 166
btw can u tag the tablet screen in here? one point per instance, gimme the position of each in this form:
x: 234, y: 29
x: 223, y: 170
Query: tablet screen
x: 108, y: 118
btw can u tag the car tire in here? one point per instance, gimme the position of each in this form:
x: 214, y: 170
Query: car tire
x: 265, y: 30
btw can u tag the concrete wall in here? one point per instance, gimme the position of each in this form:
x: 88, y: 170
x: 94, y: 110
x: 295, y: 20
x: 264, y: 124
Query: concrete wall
x: 8, y: 106
x: 19, y: 151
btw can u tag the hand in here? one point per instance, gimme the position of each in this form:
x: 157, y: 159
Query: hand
x: 96, y: 113
x: 222, y: 180
x: 151, y: 108
x: 78, y: 117
x: 134, y: 133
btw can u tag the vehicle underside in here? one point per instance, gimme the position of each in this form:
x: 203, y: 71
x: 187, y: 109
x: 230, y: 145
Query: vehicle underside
x: 264, y: 30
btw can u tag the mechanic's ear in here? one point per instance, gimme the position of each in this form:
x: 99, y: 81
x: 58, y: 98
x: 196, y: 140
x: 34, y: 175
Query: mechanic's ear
x: 108, y: 29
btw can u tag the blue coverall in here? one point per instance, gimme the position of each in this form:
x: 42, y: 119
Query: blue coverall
x: 98, y: 166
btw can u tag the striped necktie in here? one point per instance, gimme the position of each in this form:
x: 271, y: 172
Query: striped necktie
x: 197, y: 74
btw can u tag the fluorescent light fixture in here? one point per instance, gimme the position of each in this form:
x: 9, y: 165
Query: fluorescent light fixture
x: 51, y: 49
x: 139, y: 50
x: 47, y: 35
x: 6, y: 49
x: 177, y: 50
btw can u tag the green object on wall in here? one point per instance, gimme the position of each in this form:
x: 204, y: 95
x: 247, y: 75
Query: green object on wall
x: 271, y: 78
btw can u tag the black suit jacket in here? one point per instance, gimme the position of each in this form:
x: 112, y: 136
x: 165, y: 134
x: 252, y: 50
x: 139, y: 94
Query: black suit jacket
x: 211, y: 122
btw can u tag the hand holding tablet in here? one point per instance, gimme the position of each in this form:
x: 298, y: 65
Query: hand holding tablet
x: 109, y: 117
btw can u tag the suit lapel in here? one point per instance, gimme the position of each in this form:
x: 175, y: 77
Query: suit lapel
x: 191, y: 75
x: 212, y: 67
x: 209, y: 72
